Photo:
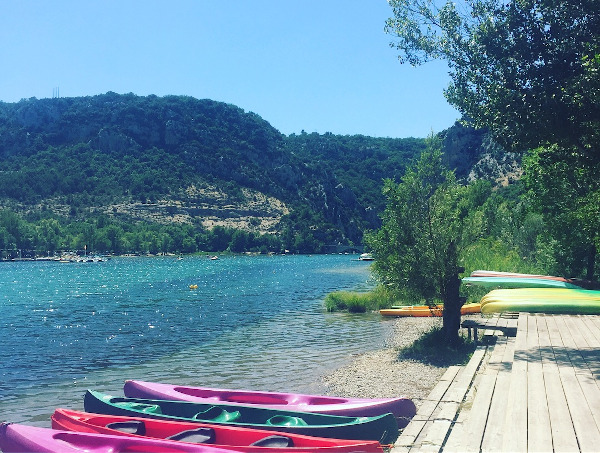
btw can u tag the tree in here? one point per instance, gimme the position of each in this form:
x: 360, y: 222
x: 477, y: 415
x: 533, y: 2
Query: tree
x: 528, y: 71
x: 423, y: 230
x: 565, y: 185
x: 516, y: 67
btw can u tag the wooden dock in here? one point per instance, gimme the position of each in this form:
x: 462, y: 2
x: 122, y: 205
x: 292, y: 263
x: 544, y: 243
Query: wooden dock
x: 537, y: 391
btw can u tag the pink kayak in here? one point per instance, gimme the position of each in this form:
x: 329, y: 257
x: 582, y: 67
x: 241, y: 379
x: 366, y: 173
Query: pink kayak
x: 402, y: 408
x: 483, y: 273
x: 23, y: 438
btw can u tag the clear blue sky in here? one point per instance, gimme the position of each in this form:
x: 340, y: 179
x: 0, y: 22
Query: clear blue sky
x: 313, y: 65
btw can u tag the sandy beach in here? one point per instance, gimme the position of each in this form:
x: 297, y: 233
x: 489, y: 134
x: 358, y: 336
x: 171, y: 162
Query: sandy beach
x: 382, y: 374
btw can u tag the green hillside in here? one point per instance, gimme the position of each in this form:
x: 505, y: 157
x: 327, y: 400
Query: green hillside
x: 130, y: 173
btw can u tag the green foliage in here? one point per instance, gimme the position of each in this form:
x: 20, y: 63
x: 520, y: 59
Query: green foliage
x: 103, y: 235
x: 525, y: 69
x: 425, y: 215
x: 110, y: 149
x: 493, y: 254
x: 528, y: 71
x: 428, y: 221
x: 355, y: 302
x: 564, y: 186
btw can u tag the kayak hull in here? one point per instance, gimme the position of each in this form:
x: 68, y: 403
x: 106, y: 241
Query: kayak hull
x: 542, y: 300
x: 22, y: 438
x: 402, y: 408
x: 426, y: 311
x: 231, y: 438
x: 517, y: 282
x: 541, y: 307
x: 382, y: 428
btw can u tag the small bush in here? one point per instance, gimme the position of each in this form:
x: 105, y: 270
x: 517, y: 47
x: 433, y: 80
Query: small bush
x: 356, y: 302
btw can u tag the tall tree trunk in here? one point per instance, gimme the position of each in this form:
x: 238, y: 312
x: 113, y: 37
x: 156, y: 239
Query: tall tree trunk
x: 451, y: 297
x: 452, y: 306
x: 591, y: 262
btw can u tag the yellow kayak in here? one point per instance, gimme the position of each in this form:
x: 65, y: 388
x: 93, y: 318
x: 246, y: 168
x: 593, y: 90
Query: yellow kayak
x: 541, y: 295
x: 538, y: 300
x: 425, y: 310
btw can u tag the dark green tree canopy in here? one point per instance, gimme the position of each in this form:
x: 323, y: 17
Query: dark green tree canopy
x: 525, y: 68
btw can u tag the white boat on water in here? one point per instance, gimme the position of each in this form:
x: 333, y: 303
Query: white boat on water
x: 366, y: 257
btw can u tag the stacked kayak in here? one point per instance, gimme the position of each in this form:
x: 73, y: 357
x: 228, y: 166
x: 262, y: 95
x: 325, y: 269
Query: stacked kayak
x: 495, y: 279
x: 382, y: 428
x: 225, y: 437
x: 517, y: 282
x: 226, y: 421
x: 542, y: 300
x: 402, y: 408
x: 425, y: 310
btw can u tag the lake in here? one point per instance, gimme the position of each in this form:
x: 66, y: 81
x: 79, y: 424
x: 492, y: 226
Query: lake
x: 252, y: 322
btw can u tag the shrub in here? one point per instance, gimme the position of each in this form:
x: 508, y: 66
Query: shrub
x: 360, y: 302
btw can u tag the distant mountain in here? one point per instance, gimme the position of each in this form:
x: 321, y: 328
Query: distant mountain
x: 177, y: 159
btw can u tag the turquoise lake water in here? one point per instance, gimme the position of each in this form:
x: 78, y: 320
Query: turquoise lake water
x: 253, y: 323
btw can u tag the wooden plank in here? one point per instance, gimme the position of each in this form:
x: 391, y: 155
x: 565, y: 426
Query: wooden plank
x: 574, y: 325
x: 475, y: 428
x: 410, y: 433
x: 509, y: 354
x: 545, y: 345
x: 538, y: 419
x: 494, y: 430
x: 586, y: 343
x: 590, y: 390
x: 437, y: 432
x: 441, y: 387
x: 563, y: 432
x: 496, y: 362
x: 561, y: 358
x: 459, y: 387
x: 581, y: 415
x: 593, y: 324
x: 539, y: 432
x: 454, y: 441
x: 570, y: 342
x: 515, y: 421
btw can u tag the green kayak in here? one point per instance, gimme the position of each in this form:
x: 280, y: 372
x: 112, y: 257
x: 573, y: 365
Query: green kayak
x: 382, y: 428
x: 517, y: 282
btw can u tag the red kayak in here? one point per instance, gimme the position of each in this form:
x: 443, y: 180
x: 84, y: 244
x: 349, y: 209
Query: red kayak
x: 219, y: 436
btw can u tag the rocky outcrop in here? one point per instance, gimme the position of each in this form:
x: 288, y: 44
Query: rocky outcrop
x: 253, y: 211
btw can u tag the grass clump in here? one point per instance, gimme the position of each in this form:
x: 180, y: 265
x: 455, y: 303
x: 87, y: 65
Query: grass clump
x: 431, y: 349
x: 355, y: 302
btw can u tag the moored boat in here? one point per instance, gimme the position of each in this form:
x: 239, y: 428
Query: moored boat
x: 23, y: 438
x: 382, y: 428
x: 402, y: 408
x: 231, y: 438
x: 366, y: 257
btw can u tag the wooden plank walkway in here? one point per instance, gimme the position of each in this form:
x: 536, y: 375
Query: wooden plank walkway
x: 538, y: 391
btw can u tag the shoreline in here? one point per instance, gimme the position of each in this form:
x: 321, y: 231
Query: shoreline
x: 381, y: 374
